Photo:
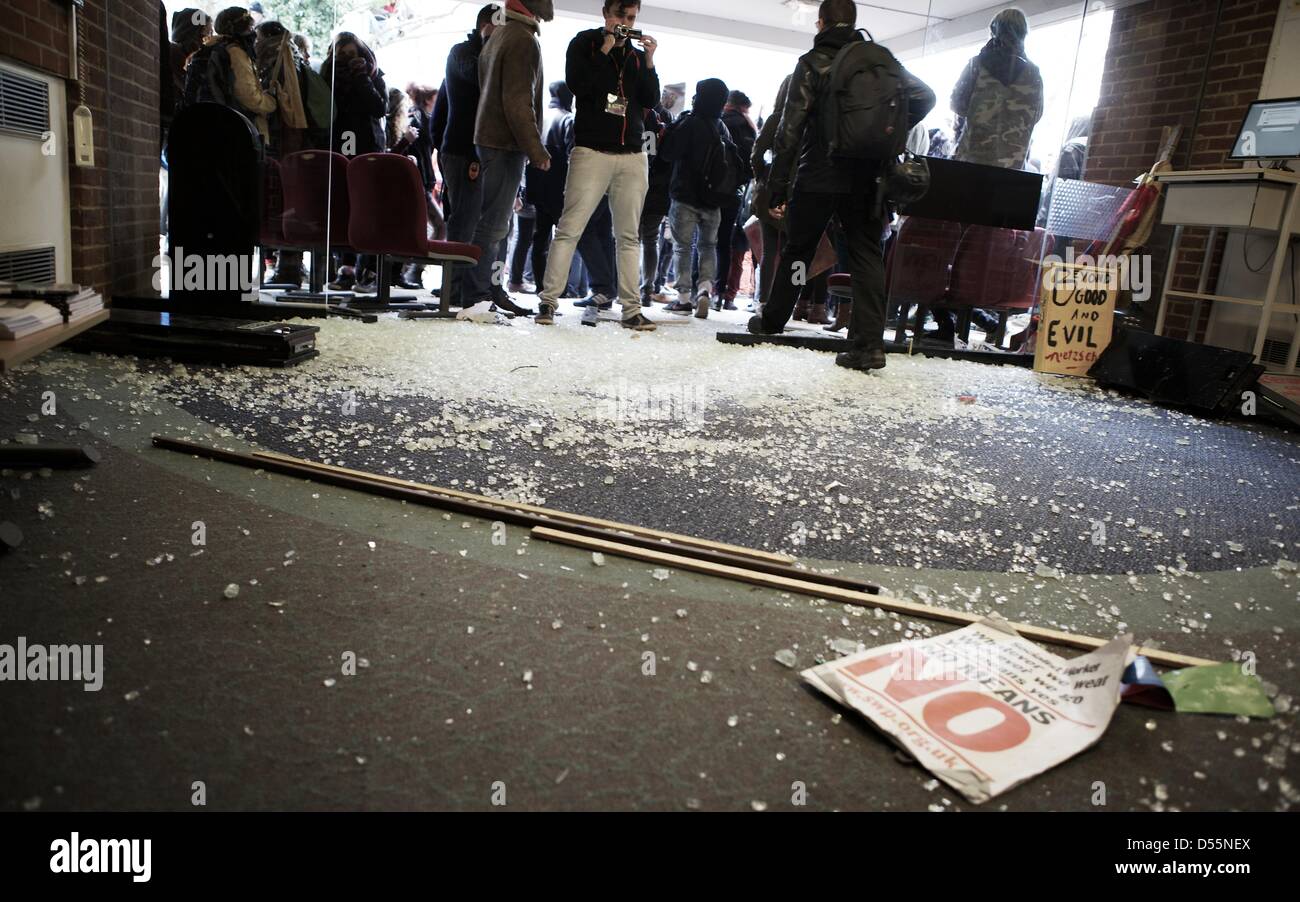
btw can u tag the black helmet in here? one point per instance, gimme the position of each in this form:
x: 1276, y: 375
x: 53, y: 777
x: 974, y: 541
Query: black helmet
x: 908, y: 180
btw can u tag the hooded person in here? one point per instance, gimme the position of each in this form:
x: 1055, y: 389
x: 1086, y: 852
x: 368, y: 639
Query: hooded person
x: 732, y: 244
x: 999, y: 97
x: 544, y: 188
x: 507, y: 136
x: 360, y: 96
x: 280, y: 68
x: 190, y: 27
x: 360, y: 107
x: 691, y: 146
x: 234, y: 30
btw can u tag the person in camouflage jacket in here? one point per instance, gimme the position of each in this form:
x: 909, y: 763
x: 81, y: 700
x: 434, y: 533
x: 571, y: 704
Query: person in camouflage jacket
x: 999, y: 97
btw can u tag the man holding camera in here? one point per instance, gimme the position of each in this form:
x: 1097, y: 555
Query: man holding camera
x: 613, y: 82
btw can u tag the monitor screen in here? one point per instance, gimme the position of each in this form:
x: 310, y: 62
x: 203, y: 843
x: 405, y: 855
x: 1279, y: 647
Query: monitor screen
x: 1271, y: 131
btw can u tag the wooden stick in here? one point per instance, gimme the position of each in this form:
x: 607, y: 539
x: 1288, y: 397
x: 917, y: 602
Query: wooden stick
x: 392, y: 488
x: 846, y: 596
x: 556, y: 516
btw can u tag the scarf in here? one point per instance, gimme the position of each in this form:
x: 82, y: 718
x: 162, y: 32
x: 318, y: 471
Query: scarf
x: 283, y: 83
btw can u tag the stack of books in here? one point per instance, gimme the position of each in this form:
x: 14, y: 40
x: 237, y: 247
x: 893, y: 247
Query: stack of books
x: 26, y: 308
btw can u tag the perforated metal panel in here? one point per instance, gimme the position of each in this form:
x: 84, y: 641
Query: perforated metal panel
x: 24, y: 104
x: 33, y: 265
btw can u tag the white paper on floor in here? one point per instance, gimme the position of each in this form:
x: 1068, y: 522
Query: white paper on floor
x: 981, y: 708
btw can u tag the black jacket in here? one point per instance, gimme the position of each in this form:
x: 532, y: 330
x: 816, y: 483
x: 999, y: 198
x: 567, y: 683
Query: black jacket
x: 801, y: 134
x: 592, y: 77
x: 687, y: 146
x: 438, y: 121
x: 545, y: 190
x: 741, y: 131
x: 360, y: 107
x: 424, y: 146
x: 461, y: 90
x: 657, y: 122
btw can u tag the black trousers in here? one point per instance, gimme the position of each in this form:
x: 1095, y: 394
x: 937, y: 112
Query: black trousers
x: 652, y: 219
x: 523, y: 243
x: 543, y: 231
x: 726, y: 234
x: 596, y: 247
x: 808, y: 215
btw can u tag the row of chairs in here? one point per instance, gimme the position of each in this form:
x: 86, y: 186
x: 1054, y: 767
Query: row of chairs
x: 320, y: 201
x: 935, y: 263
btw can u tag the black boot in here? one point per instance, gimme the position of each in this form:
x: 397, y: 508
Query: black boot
x: 412, y: 277
x: 842, y: 314
x: 863, y: 359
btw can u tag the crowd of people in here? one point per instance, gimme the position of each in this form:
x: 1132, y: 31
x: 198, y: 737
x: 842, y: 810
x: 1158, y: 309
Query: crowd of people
x: 609, y: 190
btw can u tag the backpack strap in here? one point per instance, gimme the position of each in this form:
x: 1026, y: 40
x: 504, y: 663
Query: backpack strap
x: 831, y: 114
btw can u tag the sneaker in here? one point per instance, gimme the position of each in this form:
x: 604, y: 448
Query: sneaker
x: 702, y: 306
x: 545, y: 314
x: 863, y: 360
x: 591, y: 316
x: 511, y: 308
x: 345, y: 279
x: 639, y: 323
x: 284, y: 277
x: 367, y: 284
x: 597, y: 300
x: 682, y: 308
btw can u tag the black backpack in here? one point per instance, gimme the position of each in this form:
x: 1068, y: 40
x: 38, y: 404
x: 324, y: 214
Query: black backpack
x: 864, y: 106
x: 723, y: 173
x: 208, y: 78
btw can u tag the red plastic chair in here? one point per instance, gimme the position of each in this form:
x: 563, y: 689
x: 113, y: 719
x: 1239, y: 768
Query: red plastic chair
x: 315, y: 186
x: 271, y: 230
x: 918, y: 269
x: 998, y: 268
x: 389, y: 218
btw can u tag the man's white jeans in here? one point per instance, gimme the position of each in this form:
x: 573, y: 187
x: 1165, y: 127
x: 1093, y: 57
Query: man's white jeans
x: 592, y: 174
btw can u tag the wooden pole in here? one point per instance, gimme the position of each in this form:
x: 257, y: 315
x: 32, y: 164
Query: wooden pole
x: 433, y: 497
x: 553, y: 515
x: 803, y: 587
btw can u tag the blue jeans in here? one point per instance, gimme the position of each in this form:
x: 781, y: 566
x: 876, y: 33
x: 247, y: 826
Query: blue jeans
x: 502, y: 171
x: 685, y: 220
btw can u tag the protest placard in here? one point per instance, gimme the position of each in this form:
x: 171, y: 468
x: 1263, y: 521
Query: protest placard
x: 981, y: 708
x: 1077, y: 310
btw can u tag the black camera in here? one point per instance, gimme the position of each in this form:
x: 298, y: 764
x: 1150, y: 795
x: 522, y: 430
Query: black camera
x: 624, y: 32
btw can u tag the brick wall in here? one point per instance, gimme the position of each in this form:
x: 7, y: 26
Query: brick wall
x: 1161, y: 54
x: 114, y: 204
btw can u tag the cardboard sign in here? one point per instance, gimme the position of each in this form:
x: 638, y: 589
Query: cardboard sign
x: 981, y: 708
x: 1077, y: 318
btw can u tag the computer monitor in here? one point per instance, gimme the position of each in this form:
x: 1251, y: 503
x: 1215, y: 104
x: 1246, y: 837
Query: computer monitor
x: 1271, y: 131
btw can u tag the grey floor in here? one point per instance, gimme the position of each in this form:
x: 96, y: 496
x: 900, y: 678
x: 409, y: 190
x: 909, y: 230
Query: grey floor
x: 246, y: 695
